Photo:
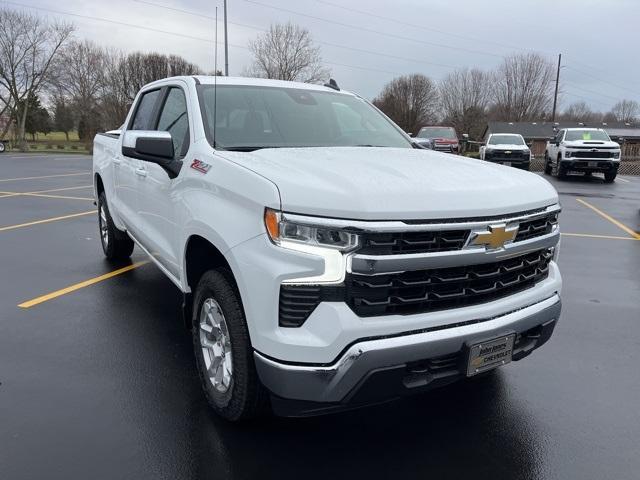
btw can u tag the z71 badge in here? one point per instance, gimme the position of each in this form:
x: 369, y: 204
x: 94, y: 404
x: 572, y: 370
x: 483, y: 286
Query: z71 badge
x: 200, y: 166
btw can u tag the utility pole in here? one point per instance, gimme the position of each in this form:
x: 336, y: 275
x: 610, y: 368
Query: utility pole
x: 555, y: 96
x: 226, y: 44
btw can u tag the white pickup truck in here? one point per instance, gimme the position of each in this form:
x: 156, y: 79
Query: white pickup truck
x: 585, y: 150
x: 325, y: 261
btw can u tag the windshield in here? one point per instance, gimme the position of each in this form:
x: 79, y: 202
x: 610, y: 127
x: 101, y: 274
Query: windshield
x: 252, y: 117
x: 573, y: 135
x: 438, y: 132
x: 506, y: 140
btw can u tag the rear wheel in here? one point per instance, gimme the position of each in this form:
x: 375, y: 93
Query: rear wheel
x: 223, y: 351
x: 609, y: 177
x: 116, y: 245
x: 1, y: 147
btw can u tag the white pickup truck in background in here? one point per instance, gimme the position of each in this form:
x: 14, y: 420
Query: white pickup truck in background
x: 325, y: 261
x: 508, y: 149
x: 587, y: 150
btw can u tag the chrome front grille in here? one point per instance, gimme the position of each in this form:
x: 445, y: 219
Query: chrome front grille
x: 437, y: 289
x: 411, y: 267
x: 377, y: 243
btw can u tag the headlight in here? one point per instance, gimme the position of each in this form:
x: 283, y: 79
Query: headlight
x: 328, y: 243
x: 567, y: 154
x: 282, y: 230
x: 616, y: 154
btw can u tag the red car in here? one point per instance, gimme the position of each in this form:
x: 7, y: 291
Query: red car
x: 443, y: 139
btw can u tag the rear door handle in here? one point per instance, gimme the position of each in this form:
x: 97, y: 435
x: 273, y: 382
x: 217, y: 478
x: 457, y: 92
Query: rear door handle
x: 141, y: 172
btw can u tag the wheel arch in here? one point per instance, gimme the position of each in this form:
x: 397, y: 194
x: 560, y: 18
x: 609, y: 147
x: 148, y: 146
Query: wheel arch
x: 98, y: 185
x: 201, y: 255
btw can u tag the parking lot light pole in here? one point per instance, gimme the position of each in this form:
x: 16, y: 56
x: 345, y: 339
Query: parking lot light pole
x: 555, y: 96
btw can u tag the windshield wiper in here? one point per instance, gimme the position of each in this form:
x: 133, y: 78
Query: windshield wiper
x: 243, y: 148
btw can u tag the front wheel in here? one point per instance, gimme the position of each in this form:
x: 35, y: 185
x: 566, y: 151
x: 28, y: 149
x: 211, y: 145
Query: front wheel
x: 1, y: 147
x: 609, y: 177
x: 547, y: 164
x: 116, y: 245
x: 224, y: 356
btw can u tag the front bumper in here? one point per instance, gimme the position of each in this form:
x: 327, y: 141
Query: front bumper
x: 380, y: 369
x: 515, y: 162
x: 590, y: 165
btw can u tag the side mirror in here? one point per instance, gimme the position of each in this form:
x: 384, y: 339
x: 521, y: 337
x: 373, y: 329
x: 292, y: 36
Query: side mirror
x: 410, y: 134
x: 153, y: 147
x: 465, y: 136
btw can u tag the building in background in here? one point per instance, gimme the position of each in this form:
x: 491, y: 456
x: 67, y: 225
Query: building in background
x: 536, y: 134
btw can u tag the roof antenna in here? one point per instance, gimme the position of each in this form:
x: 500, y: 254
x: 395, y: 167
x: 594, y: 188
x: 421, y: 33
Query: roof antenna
x: 332, y: 84
x: 215, y: 81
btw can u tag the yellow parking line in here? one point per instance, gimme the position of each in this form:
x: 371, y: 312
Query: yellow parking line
x: 55, y: 196
x: 78, y: 286
x: 618, y: 224
x: 44, y: 176
x: 62, y: 189
x: 46, y: 220
x: 606, y: 237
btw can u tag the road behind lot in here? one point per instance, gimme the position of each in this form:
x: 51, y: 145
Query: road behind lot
x: 98, y: 381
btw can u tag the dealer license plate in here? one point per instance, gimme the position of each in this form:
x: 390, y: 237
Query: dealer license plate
x: 506, y: 164
x: 487, y: 355
x: 592, y: 164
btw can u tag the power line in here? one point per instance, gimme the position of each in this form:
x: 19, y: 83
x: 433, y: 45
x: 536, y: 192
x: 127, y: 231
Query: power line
x: 589, y: 100
x: 593, y: 92
x: 377, y: 32
x: 156, y: 30
x: 99, y: 19
x: 421, y: 27
x: 601, y: 80
x: 336, y: 45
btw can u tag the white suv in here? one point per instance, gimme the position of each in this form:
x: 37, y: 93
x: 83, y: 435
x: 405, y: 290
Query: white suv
x: 325, y: 261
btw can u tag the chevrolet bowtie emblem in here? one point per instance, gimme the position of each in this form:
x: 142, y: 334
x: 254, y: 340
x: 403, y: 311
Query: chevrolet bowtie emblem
x: 496, y: 237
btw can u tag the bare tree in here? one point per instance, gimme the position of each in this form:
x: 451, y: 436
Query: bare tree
x: 626, y: 111
x: 581, y: 112
x: 79, y: 72
x: 28, y: 46
x: 286, y: 52
x: 464, y: 97
x: 523, y: 88
x: 410, y: 101
x: 124, y: 75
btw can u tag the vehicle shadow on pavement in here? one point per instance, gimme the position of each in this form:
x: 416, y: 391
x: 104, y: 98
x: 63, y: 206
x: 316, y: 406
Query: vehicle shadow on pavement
x: 470, y: 427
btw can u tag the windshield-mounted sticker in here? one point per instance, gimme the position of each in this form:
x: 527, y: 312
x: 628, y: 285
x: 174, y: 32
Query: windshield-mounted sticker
x: 586, y: 135
x: 200, y: 166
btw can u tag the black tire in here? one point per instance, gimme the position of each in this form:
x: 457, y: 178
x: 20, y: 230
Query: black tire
x: 116, y: 244
x: 609, y: 177
x: 245, y: 396
x: 2, y: 148
x: 547, y: 165
x: 560, y: 171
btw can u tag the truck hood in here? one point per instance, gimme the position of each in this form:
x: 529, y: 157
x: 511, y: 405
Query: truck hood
x: 507, y: 147
x: 591, y: 143
x: 394, y: 184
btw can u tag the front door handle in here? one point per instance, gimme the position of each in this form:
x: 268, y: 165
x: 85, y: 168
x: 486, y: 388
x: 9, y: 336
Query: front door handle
x: 141, y: 172
x: 117, y: 161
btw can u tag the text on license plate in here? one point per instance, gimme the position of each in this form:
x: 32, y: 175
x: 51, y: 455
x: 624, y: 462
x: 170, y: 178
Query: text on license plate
x: 490, y: 354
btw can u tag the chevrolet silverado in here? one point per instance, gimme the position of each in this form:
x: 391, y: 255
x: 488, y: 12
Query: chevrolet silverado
x: 325, y: 262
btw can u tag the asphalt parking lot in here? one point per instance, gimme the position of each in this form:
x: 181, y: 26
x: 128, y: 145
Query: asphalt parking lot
x: 97, y: 376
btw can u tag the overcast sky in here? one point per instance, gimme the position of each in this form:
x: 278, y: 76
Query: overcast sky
x: 598, y: 39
